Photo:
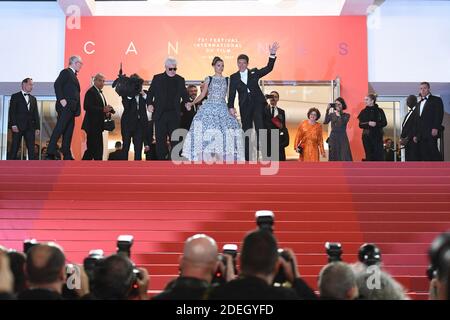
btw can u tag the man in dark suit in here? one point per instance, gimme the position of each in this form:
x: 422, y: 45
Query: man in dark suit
x: 188, y: 115
x: 117, y: 154
x: 251, y: 99
x: 96, y: 109
x: 167, y: 91
x: 409, y: 127
x: 24, y: 119
x: 260, y: 263
x: 430, y: 113
x: 275, y: 119
x: 134, y: 121
x: 68, y: 106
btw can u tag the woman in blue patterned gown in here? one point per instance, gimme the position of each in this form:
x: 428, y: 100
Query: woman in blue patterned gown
x: 215, y: 135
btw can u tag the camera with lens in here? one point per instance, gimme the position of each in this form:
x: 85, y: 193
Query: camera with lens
x: 269, y: 96
x: 439, y: 255
x: 128, y: 86
x: 124, y: 244
x: 332, y: 107
x: 91, y: 262
x: 369, y: 254
x: 28, y: 244
x: 220, y: 274
x: 265, y: 220
x: 281, y: 278
x: 334, y: 251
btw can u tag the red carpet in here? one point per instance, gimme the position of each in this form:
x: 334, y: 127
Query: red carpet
x: 86, y: 205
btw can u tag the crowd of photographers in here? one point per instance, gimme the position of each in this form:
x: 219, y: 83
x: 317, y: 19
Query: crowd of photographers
x: 266, y: 272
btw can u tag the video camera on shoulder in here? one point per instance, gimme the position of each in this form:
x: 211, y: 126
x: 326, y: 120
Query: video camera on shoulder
x: 128, y: 86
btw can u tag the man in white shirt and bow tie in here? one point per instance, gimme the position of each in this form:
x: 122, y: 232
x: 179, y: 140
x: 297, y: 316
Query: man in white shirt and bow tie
x: 24, y: 119
x: 251, y: 99
x: 430, y: 114
x: 97, y: 109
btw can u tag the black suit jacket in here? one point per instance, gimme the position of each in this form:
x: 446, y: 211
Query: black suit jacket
x: 252, y: 288
x: 157, y: 95
x: 134, y: 117
x: 409, y: 126
x: 20, y: 116
x: 67, y: 87
x: 236, y: 85
x: 188, y: 115
x: 431, y: 118
x: 117, y: 155
x: 94, y: 116
x: 268, y: 117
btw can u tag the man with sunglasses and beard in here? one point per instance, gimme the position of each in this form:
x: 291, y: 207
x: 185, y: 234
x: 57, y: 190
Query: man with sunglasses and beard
x: 166, y: 93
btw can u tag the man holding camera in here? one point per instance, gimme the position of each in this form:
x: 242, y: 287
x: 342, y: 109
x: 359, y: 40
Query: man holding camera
x: 198, y: 266
x: 260, y: 264
x: 97, y: 110
x: 275, y: 119
x: 251, y: 99
x: 134, y: 120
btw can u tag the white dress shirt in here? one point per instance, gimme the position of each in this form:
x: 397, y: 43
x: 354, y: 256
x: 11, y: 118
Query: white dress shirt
x: 275, y: 111
x: 422, y: 104
x: 101, y: 95
x: 27, y: 99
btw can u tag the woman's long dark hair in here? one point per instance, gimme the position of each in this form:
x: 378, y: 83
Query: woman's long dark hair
x: 342, y: 101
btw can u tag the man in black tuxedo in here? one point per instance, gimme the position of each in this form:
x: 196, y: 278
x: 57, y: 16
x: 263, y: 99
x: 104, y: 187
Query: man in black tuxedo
x: 275, y: 118
x: 188, y: 115
x: 96, y: 109
x: 430, y: 113
x: 134, y: 122
x: 117, y: 154
x: 251, y: 99
x: 167, y: 92
x: 409, y: 127
x: 68, y: 106
x: 23, y: 119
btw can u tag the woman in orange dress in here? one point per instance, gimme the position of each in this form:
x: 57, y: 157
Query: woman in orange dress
x: 309, y: 137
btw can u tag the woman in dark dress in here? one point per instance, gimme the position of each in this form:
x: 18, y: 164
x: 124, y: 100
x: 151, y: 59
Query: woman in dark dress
x: 372, y: 120
x: 338, y: 140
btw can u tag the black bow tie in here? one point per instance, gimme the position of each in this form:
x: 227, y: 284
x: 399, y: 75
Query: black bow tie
x: 100, y: 91
x: 424, y: 98
x: 26, y: 94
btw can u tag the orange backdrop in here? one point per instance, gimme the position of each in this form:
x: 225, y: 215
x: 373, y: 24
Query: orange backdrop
x: 312, y: 48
